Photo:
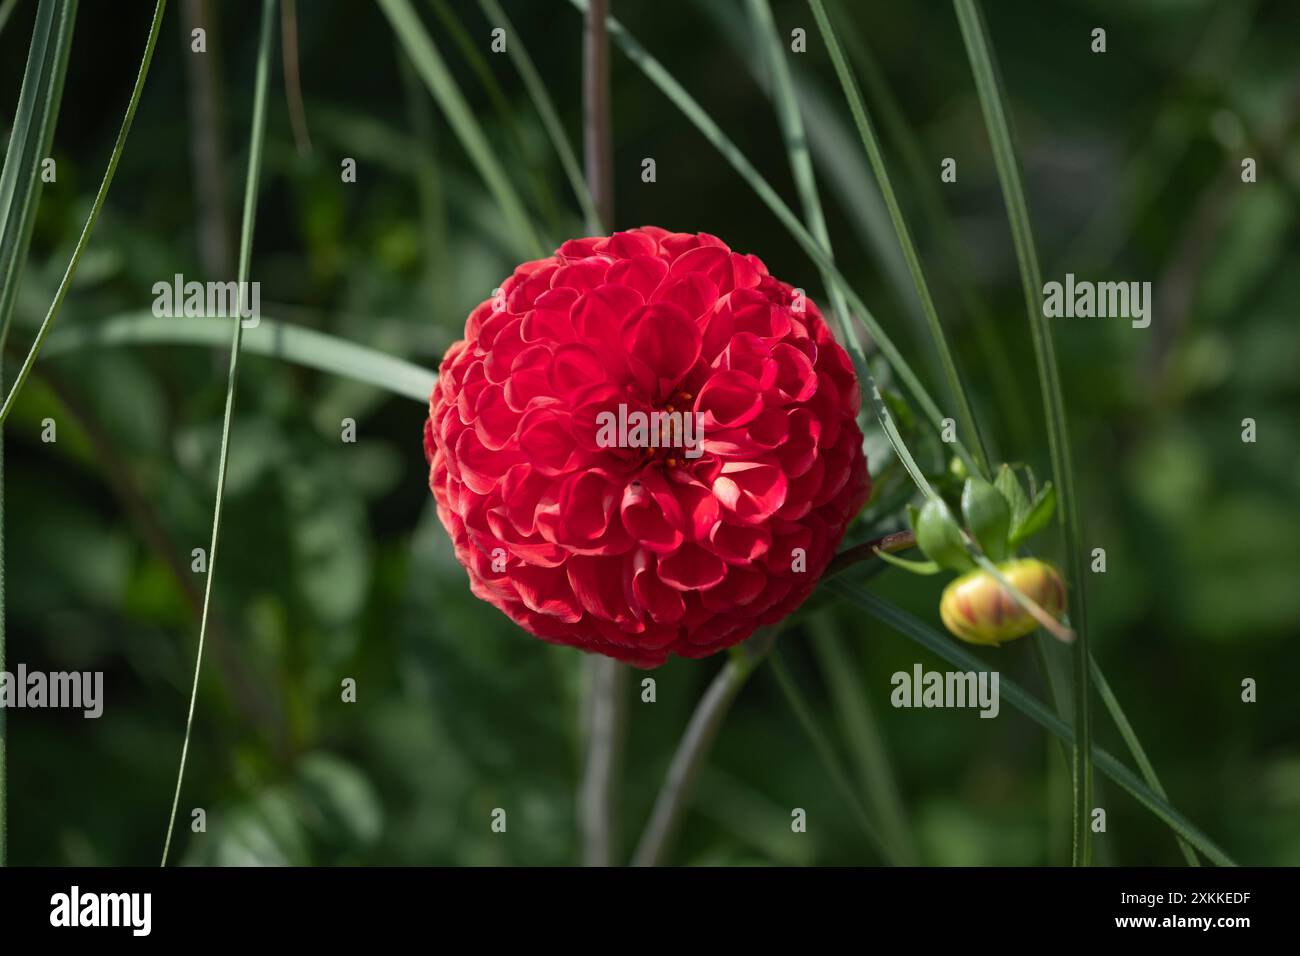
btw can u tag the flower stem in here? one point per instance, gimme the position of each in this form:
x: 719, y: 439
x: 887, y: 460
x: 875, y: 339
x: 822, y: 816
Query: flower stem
x: 605, y: 710
x: 695, y: 745
x: 256, y: 140
x: 605, y: 719
x: 898, y: 541
x: 598, y: 148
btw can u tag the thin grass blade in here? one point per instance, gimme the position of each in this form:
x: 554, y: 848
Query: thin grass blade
x: 858, y: 107
x: 993, y: 104
x: 1136, y: 749
x: 1033, y: 708
x: 256, y: 141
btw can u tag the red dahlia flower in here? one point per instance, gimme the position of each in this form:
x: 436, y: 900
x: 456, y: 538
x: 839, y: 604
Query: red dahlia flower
x: 641, y: 552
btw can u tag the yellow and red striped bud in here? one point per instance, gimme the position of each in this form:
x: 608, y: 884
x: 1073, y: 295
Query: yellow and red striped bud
x: 978, y: 609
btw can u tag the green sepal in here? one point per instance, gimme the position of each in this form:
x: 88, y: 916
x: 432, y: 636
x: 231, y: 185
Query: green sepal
x: 939, y: 537
x: 1038, y: 516
x: 988, y: 517
x: 1009, y: 486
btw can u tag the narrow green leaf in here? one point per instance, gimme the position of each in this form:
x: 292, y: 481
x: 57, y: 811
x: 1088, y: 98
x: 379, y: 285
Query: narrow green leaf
x: 83, y: 240
x: 792, y: 131
x: 1009, y: 486
x: 1135, y: 748
x: 256, y: 140
x: 992, y: 102
x: 290, y: 343
x: 857, y: 106
x: 29, y: 144
x: 433, y: 70
x: 1029, y: 705
x: 1036, y: 518
x: 951, y: 247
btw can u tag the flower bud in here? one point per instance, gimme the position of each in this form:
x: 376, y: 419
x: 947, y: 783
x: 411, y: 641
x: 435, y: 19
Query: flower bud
x: 978, y: 609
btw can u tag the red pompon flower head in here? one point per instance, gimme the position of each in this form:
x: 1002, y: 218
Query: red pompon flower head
x: 645, y: 445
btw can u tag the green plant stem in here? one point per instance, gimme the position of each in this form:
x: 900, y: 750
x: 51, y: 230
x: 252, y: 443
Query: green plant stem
x: 20, y: 186
x: 605, y: 710
x: 256, y: 142
x: 863, y: 122
x: 890, y: 543
x: 1033, y: 708
x: 693, y: 749
x: 956, y: 259
x: 992, y: 102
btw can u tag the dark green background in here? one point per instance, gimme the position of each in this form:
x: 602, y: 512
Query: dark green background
x: 332, y: 566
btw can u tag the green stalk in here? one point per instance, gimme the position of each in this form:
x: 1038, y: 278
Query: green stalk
x: 863, y: 122
x: 801, y: 165
x: 992, y: 102
x: 20, y: 186
x: 83, y: 240
x: 433, y: 70
x: 955, y: 256
x: 256, y: 141
x: 1033, y: 708
x: 796, y: 144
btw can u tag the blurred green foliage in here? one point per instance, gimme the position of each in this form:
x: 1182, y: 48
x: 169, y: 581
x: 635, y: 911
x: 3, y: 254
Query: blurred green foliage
x: 334, y: 566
